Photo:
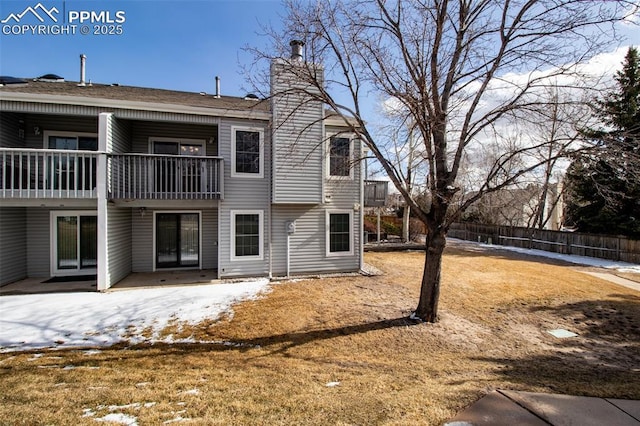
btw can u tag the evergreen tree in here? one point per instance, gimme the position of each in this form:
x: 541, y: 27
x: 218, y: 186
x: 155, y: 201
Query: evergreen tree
x: 603, y: 183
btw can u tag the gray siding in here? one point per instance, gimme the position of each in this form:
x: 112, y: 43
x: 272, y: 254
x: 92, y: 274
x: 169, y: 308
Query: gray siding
x: 76, y: 110
x: 10, y: 128
x: 297, y: 143
x: 120, y: 140
x: 118, y: 244
x: 13, y: 244
x: 142, y: 242
x: 141, y: 131
x: 242, y: 194
x: 209, y: 239
x: 38, y: 242
x: 58, y: 124
x: 307, y: 249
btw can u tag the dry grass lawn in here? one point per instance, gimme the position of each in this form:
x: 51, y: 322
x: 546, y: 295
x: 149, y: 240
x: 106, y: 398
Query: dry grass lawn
x: 282, y: 351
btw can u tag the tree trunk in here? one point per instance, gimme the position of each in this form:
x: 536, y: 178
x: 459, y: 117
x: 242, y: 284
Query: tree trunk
x: 406, y: 215
x: 427, y: 309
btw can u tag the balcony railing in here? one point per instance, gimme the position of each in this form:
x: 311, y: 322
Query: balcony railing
x: 165, y: 177
x: 46, y: 173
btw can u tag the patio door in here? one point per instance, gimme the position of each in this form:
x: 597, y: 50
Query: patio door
x: 69, y: 171
x: 74, y: 243
x: 177, y: 240
x: 181, y: 175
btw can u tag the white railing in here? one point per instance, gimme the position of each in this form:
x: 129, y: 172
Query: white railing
x: 47, y: 173
x: 165, y: 177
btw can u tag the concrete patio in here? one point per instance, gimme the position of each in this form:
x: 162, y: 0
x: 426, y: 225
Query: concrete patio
x: 132, y: 281
x: 508, y: 408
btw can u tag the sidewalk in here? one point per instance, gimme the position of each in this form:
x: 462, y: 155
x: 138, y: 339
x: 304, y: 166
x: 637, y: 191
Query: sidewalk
x: 508, y: 408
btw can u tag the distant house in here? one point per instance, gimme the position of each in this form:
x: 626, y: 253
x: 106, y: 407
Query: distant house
x: 110, y: 180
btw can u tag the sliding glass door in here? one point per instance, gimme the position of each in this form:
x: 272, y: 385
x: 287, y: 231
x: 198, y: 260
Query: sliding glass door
x: 74, y: 243
x: 177, y: 240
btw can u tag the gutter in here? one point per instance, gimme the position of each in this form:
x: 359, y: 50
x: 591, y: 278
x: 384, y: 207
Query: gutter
x: 133, y: 105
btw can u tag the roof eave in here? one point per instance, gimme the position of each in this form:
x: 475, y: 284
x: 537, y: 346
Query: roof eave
x: 133, y: 105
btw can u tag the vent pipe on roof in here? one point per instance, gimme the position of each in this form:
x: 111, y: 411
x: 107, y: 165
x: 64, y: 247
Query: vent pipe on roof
x: 217, y: 86
x: 296, y: 49
x: 83, y: 59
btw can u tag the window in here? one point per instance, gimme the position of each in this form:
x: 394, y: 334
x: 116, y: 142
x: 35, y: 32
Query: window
x: 82, y: 142
x: 246, y: 234
x: 340, y: 157
x: 339, y: 233
x: 247, y: 155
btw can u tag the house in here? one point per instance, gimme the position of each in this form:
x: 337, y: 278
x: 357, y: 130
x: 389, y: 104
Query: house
x: 112, y: 180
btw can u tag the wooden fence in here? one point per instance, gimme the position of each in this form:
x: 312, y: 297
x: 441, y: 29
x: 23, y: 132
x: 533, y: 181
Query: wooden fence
x: 591, y: 245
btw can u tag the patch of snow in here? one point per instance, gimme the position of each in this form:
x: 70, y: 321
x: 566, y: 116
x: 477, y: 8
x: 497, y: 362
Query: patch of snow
x: 571, y: 258
x: 332, y: 384
x: 561, y: 333
x: 103, y: 319
x: 120, y: 418
x: 73, y: 367
x: 123, y: 407
x: 190, y: 392
x: 176, y: 419
x: 141, y: 384
x: 91, y: 352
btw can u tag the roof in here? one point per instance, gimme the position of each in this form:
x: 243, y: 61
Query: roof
x: 132, y: 94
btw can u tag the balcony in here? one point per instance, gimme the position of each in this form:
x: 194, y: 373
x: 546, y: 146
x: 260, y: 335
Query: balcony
x: 165, y: 177
x: 46, y: 173
x: 60, y: 174
x: 375, y: 193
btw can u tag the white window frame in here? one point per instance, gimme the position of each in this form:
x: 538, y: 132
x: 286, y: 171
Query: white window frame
x: 53, y: 244
x: 154, y: 252
x: 328, y: 156
x: 235, y: 173
x: 232, y: 234
x: 330, y: 253
x: 48, y: 133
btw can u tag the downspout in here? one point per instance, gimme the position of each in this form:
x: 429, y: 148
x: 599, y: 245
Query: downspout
x: 361, y: 227
x: 272, y: 177
x: 288, y: 252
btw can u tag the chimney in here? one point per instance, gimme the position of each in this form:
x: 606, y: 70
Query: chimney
x: 83, y: 58
x: 217, y: 86
x: 296, y: 49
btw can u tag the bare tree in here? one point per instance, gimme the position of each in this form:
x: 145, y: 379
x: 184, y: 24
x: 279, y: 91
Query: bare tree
x: 452, y: 66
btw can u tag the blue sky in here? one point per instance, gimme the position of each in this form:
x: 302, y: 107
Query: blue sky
x: 171, y: 44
